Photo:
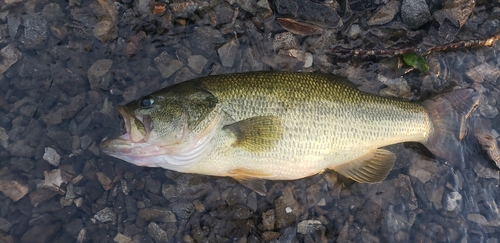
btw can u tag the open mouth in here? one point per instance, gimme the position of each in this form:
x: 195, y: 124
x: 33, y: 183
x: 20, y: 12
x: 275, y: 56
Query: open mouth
x: 138, y: 126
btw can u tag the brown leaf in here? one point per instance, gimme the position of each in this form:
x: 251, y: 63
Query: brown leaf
x: 299, y: 28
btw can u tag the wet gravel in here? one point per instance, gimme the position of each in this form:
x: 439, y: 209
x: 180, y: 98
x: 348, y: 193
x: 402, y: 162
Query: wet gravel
x: 65, y: 65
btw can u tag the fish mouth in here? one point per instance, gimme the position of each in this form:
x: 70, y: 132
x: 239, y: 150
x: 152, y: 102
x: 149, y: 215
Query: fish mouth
x: 138, y: 126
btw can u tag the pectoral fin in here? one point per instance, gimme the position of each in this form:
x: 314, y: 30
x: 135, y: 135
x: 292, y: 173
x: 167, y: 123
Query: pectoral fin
x: 257, y: 134
x: 251, y: 179
x: 369, y: 168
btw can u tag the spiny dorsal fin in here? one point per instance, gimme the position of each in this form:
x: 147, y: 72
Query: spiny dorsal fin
x: 370, y: 168
x: 251, y: 179
x: 257, y: 134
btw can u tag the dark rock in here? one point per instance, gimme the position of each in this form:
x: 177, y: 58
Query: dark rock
x: 99, y: 74
x: 157, y: 214
x: 5, y: 225
x: 62, y: 138
x: 307, y: 11
x: 234, y: 212
x: 41, y: 195
x: 205, y: 38
x: 72, y: 83
x: 35, y: 30
x: 268, y: 220
x: 52, y: 11
x: 152, y: 185
x: 40, y: 233
x: 158, y: 234
x: 183, y: 209
x: 227, y: 52
x: 84, y: 22
x: 415, y: 13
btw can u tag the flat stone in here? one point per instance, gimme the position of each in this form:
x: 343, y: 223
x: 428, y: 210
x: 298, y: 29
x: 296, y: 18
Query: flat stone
x: 205, y: 38
x: 55, y: 179
x: 4, y: 138
x: 104, y: 180
x: 10, y: 55
x: 285, y: 40
x: 157, y: 214
x: 166, y: 65
x: 384, y: 14
x: 13, y: 187
x: 157, y: 233
x: 41, y: 233
x: 35, y: 30
x: 5, y: 225
x: 197, y: 63
x: 121, y: 238
x: 52, y: 156
x: 105, y: 215
x: 308, y: 226
x: 97, y: 74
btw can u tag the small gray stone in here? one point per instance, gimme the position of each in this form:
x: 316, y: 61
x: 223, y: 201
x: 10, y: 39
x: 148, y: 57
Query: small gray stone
x: 4, y: 138
x: 9, y: 55
x: 105, y: 215
x: 157, y: 233
x: 285, y: 40
x: 5, y: 225
x: 166, y: 65
x: 157, y: 214
x: 35, y: 30
x: 104, y: 180
x: 308, y: 226
x: 197, y: 63
x: 97, y: 74
x: 415, y: 13
x: 227, y: 53
x: 452, y: 200
x: 268, y: 219
x: 435, y: 195
x: 52, y: 156
x: 384, y: 14
x: 205, y: 38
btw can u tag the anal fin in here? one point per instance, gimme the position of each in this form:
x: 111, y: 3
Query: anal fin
x: 251, y: 179
x: 369, y: 168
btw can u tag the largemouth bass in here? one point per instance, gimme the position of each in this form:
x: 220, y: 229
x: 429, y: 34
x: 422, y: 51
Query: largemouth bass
x: 282, y: 126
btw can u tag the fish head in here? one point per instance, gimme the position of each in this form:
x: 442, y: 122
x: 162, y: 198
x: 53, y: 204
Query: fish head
x: 163, y: 129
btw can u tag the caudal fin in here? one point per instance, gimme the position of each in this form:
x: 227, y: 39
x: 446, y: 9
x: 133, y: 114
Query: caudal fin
x: 449, y: 113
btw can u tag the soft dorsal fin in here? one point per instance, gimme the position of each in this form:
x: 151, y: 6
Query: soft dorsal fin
x: 257, y: 134
x: 251, y: 179
x: 370, y: 168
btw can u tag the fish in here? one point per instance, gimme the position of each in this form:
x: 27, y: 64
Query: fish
x: 273, y: 125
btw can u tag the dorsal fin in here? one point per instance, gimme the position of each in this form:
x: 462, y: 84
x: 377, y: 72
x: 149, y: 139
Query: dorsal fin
x: 370, y: 168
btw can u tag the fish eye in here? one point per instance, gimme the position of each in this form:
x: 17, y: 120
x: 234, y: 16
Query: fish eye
x: 146, y: 102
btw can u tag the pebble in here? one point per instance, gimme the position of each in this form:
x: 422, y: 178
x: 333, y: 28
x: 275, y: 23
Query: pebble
x: 121, y: 238
x: 452, y: 200
x: 52, y: 156
x: 5, y: 225
x: 35, y: 30
x: 4, y: 138
x: 205, y: 38
x: 268, y: 236
x: 41, y: 233
x: 13, y: 187
x: 415, y: 13
x: 10, y: 55
x: 308, y: 226
x: 384, y: 14
x: 104, y: 180
x: 268, y: 220
x: 166, y: 65
x: 227, y: 53
x: 55, y: 179
x: 157, y: 214
x: 157, y: 233
x: 285, y: 40
x: 105, y: 215
x: 197, y: 63
x: 105, y: 31
x: 98, y: 74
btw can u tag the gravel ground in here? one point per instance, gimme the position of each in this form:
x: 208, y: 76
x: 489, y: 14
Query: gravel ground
x: 65, y: 65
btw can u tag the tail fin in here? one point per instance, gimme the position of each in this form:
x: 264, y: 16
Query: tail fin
x: 449, y: 113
